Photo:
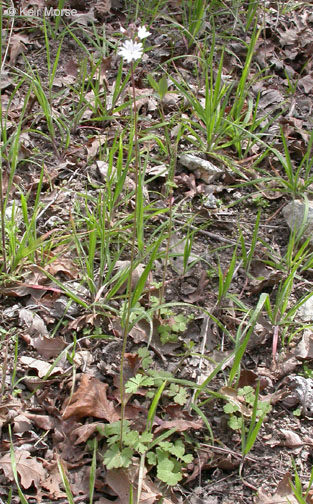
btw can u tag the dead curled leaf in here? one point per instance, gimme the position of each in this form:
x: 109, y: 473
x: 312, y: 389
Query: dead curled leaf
x: 49, y: 347
x: 90, y: 399
x: 29, y: 469
x: 83, y: 432
x: 283, y: 494
x: 52, y: 484
x: 42, y: 367
x: 119, y: 481
x: 292, y: 439
x: 180, y: 425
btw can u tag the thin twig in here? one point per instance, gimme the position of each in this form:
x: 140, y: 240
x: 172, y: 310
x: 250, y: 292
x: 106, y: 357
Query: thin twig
x: 9, y: 38
x: 202, y: 231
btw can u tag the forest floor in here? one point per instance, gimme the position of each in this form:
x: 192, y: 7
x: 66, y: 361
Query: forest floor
x: 156, y: 279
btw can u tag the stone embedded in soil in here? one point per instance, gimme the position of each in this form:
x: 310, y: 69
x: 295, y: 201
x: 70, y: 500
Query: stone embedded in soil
x: 299, y: 214
x: 203, y: 169
x: 305, y: 312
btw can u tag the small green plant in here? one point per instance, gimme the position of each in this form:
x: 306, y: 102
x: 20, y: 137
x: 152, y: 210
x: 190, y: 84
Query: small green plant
x: 246, y: 396
x: 168, y: 457
x: 171, y: 324
x: 260, y: 202
x: 301, y: 494
x: 170, y: 328
x: 194, y: 15
x: 244, y: 405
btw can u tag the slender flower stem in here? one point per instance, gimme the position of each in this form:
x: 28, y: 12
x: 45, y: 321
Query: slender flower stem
x: 172, y: 156
x: 170, y: 222
x: 2, y: 212
x: 132, y: 260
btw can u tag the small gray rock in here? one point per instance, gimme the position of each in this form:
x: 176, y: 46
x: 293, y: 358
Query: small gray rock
x: 204, y: 170
x: 295, y: 213
x: 305, y: 312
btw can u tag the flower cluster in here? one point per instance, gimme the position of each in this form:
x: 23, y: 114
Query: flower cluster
x: 132, y: 49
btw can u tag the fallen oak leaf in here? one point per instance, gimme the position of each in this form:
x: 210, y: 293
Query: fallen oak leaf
x: 180, y: 425
x: 49, y: 347
x: 65, y: 266
x: 43, y: 368
x: 44, y: 422
x: 292, y: 439
x: 90, y: 399
x: 283, y: 494
x: 17, y: 46
x: 80, y: 322
x: 29, y: 469
x: 83, y: 432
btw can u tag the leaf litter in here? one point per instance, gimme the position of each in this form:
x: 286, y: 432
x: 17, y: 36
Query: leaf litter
x: 64, y: 411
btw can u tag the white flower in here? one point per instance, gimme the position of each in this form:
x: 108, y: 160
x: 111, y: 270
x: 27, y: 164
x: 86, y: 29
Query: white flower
x: 122, y: 30
x: 143, y: 32
x: 130, y: 50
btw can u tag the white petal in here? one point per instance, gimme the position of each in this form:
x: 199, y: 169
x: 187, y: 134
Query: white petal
x: 130, y: 50
x: 143, y: 32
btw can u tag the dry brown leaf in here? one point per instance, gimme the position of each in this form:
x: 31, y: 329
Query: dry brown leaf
x: 21, y: 423
x: 52, y: 484
x: 83, y: 432
x: 283, y: 494
x: 293, y: 440
x: 80, y: 322
x: 180, y: 425
x: 286, y: 365
x: 136, y: 274
x: 304, y: 349
x: 90, y: 399
x: 94, y: 144
x: 42, y: 367
x: 306, y: 83
x: 29, y: 469
x: 84, y: 18
x: 5, y: 80
x: 65, y: 266
x: 71, y: 67
x: 34, y: 323
x: 103, y: 6
x: 44, y: 422
x: 269, y: 97
x: 119, y: 481
x: 17, y: 46
x: 48, y: 347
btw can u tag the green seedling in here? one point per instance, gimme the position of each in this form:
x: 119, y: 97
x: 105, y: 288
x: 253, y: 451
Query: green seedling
x: 171, y: 324
x: 247, y: 405
x: 194, y: 14
x: 168, y: 457
x: 299, y: 490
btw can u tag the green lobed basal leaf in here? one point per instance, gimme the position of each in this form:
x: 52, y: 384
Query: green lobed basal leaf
x: 179, y: 394
x: 115, y: 458
x: 230, y: 408
x: 145, y: 356
x: 138, y: 381
x: 235, y: 423
x: 168, y: 469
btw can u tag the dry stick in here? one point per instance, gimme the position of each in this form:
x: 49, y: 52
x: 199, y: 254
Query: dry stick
x: 132, y: 258
x: 202, y: 231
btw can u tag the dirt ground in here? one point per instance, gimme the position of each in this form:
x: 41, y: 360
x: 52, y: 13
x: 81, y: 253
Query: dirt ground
x: 38, y: 418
